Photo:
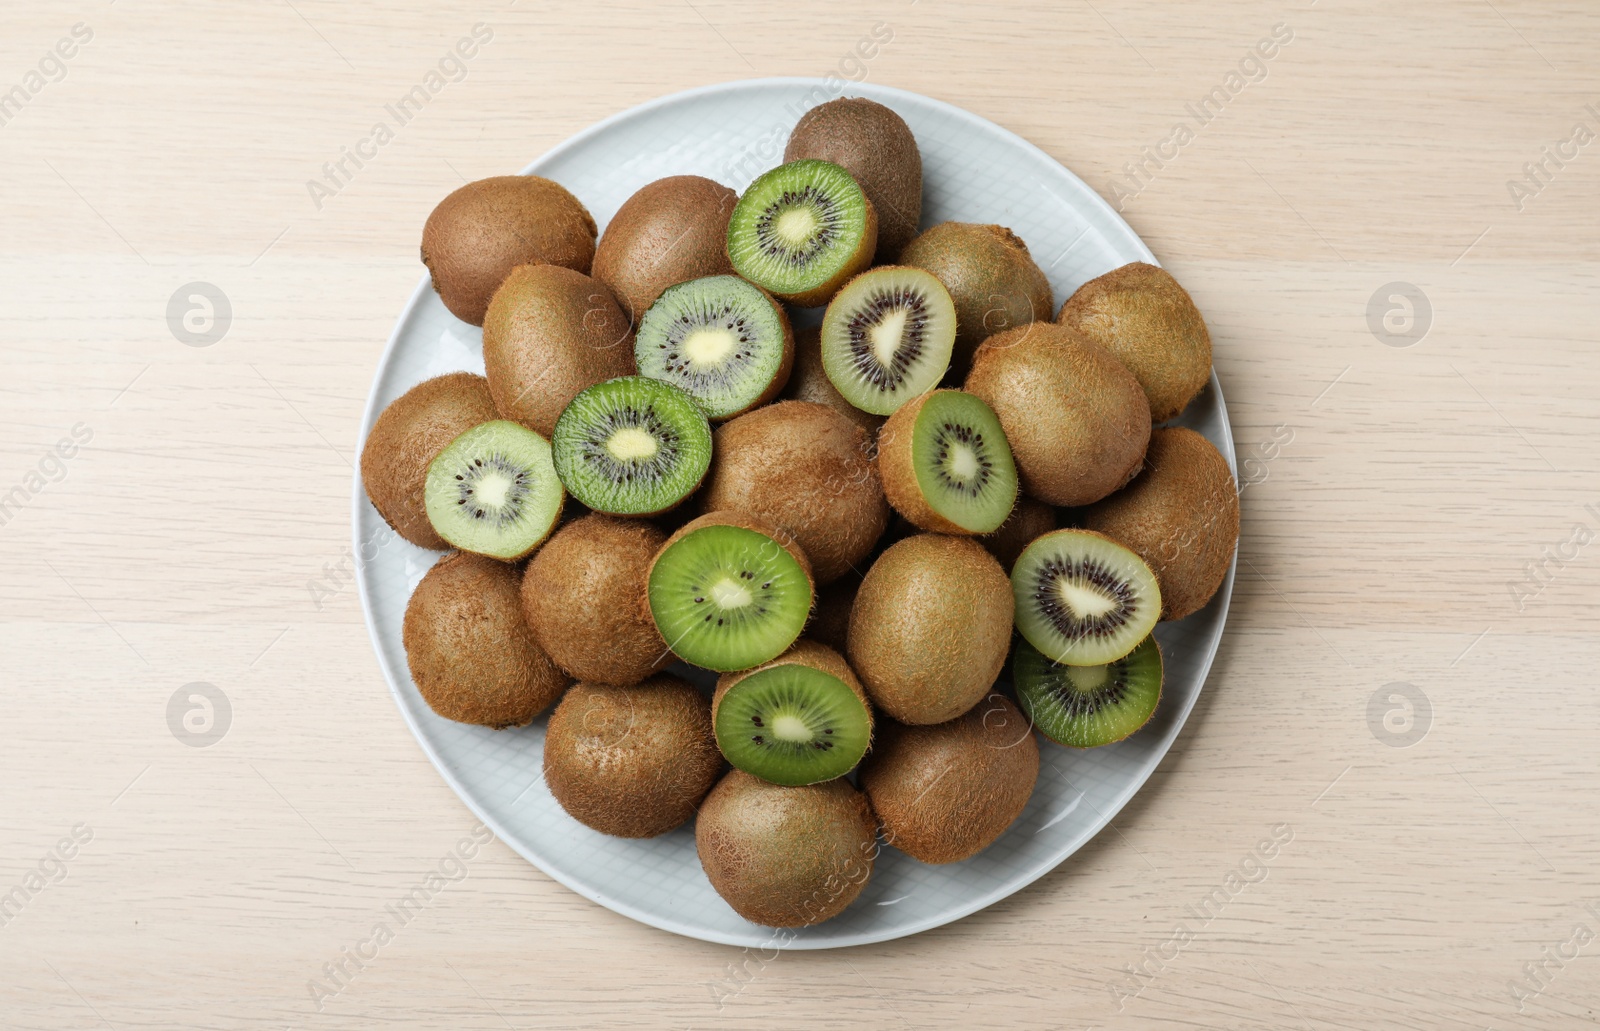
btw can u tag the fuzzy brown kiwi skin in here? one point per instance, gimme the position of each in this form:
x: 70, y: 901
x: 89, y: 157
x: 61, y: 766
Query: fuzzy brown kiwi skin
x: 803, y: 652
x: 931, y: 627
x: 1180, y: 514
x: 873, y: 144
x: 470, y: 652
x: 635, y: 761
x: 803, y: 467
x: 669, y: 232
x: 1075, y: 417
x: 808, y: 381
x: 550, y: 334
x: 1143, y: 316
x: 899, y: 471
x: 786, y: 857
x: 1029, y: 520
x: 407, y: 436
x: 945, y: 792
x: 583, y: 595
x: 483, y: 230
x: 991, y: 277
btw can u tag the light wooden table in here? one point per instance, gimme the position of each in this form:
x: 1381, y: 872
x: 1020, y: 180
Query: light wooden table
x: 1386, y: 541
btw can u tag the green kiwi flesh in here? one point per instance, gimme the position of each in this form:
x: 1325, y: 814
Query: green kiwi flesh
x: 632, y: 446
x: 887, y: 336
x: 1082, y: 598
x: 721, y: 339
x: 801, y: 230
x: 1088, y: 706
x: 799, y: 719
x: 631, y: 761
x: 946, y: 464
x: 727, y: 596
x: 494, y: 491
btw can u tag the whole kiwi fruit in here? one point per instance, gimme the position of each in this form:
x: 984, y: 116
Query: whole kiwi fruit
x: 631, y: 761
x: 786, y: 856
x: 944, y: 793
x: 1180, y: 514
x: 1140, y: 314
x: 483, y: 230
x: 408, y: 435
x: 808, y: 381
x: 1076, y: 418
x: 583, y: 595
x: 992, y: 279
x: 808, y: 470
x: 470, y: 652
x: 930, y: 627
x: 671, y: 231
x: 550, y: 334
x: 1030, y: 519
x: 874, y: 144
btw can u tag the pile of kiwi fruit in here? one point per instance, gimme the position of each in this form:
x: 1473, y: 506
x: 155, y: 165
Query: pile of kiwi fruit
x: 770, y: 579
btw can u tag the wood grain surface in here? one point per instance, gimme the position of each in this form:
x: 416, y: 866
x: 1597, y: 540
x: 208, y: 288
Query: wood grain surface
x: 1416, y: 513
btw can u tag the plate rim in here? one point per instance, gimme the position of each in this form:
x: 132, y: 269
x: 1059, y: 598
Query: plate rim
x: 371, y: 410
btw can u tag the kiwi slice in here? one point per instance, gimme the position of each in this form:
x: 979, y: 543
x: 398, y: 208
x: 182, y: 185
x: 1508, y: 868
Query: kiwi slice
x: 728, y: 593
x: 1082, y: 598
x: 1088, y: 706
x: 632, y: 446
x: 493, y: 491
x: 801, y: 230
x: 721, y: 339
x: 799, y: 719
x: 887, y: 337
x: 946, y: 464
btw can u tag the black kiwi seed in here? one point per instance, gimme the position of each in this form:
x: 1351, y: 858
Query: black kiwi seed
x: 507, y: 512
x: 905, y: 356
x: 952, y: 431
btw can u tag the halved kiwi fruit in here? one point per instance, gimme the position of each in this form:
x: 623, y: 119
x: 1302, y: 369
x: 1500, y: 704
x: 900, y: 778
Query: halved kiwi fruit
x: 931, y: 627
x: 1143, y: 316
x: 946, y: 465
x: 1088, y: 706
x: 887, y: 337
x: 408, y: 435
x: 1082, y: 598
x: 729, y: 592
x: 946, y: 792
x: 632, y: 446
x: 801, y: 230
x: 470, y: 654
x: 631, y: 761
x: 782, y: 856
x: 494, y: 491
x: 722, y: 340
x: 799, y: 719
x: 808, y: 381
x: 483, y: 230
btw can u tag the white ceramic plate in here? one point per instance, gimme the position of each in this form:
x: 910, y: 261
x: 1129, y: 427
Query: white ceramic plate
x: 974, y: 171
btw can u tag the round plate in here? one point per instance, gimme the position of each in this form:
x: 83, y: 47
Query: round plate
x: 973, y: 171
